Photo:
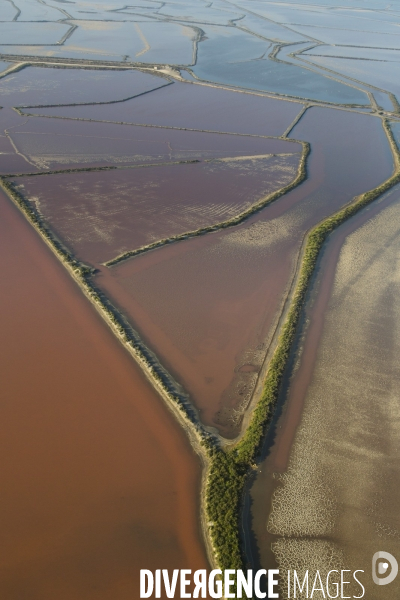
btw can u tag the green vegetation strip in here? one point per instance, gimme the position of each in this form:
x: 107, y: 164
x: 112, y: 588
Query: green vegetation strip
x: 228, y: 469
x: 301, y: 175
x: 177, y: 399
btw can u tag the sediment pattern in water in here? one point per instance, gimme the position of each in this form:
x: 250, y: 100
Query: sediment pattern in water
x: 193, y: 34
x: 49, y: 144
x: 208, y: 306
x: 336, y: 502
x: 101, y: 215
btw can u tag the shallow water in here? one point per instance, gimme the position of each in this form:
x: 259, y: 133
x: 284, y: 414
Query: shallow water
x: 15, y: 33
x: 196, y: 13
x: 396, y: 131
x: 352, y: 37
x: 81, y: 518
x: 7, y: 12
x: 37, y: 11
x: 4, y: 66
x: 378, y: 54
x: 321, y: 5
x: 145, y: 42
x: 268, y: 29
x: 52, y: 143
x: 194, y: 107
x: 98, y: 478
x: 243, y: 62
x: 154, y: 42
x: 384, y: 75
x: 98, y: 12
x: 10, y: 161
x: 383, y: 101
x: 286, y: 54
x: 336, y: 20
x: 45, y: 86
x: 208, y: 306
x: 99, y: 215
x: 340, y: 422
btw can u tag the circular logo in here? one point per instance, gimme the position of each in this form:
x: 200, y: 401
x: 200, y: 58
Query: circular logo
x: 383, y: 562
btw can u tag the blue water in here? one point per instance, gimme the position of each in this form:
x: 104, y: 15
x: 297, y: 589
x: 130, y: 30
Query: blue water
x: 243, y: 62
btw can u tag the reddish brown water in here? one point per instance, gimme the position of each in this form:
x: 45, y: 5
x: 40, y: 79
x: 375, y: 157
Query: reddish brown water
x: 36, y: 85
x: 10, y: 161
x: 208, y: 306
x: 98, y: 480
x: 99, y: 215
x: 38, y: 143
x: 54, y: 143
x: 195, y: 107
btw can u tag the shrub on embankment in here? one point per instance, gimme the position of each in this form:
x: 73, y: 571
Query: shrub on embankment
x: 35, y: 218
x: 233, y: 222
x: 229, y: 469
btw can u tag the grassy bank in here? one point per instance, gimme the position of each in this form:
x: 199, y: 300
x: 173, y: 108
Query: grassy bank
x: 171, y: 391
x: 227, y: 469
x: 237, y: 220
x: 230, y: 468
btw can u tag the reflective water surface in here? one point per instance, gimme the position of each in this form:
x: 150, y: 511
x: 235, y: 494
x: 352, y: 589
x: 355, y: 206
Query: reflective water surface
x: 98, y: 478
x: 209, y: 306
x: 340, y: 423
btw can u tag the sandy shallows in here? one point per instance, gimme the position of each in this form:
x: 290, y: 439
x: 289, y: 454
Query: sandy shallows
x: 336, y: 499
x: 60, y: 143
x: 100, y: 215
x: 98, y: 480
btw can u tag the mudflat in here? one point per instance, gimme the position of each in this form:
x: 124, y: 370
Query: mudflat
x: 331, y: 473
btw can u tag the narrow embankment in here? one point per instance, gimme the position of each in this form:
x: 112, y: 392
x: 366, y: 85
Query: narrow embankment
x: 225, y: 469
x: 170, y: 390
x: 237, y: 220
x: 229, y: 468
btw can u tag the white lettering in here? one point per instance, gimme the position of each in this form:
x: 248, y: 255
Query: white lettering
x: 146, y: 581
x: 170, y: 587
x: 335, y: 584
x: 158, y: 583
x: 200, y: 579
x: 219, y: 584
x: 212, y: 584
x: 257, y: 591
x: 359, y: 583
x: 228, y: 582
x: 319, y: 589
x: 272, y: 583
x: 184, y: 583
x: 305, y: 582
x: 343, y: 582
x: 245, y: 585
